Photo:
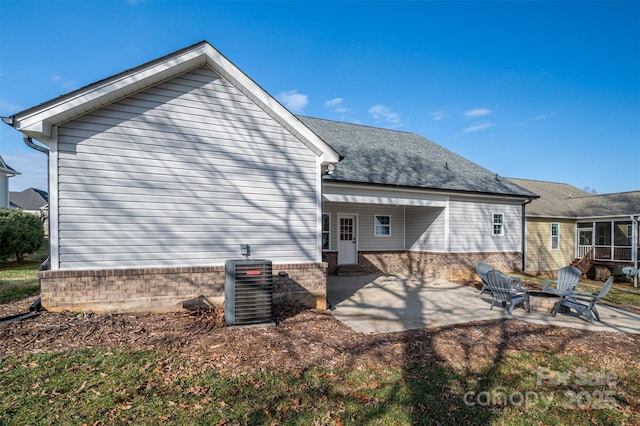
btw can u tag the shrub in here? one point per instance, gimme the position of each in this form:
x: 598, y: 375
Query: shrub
x: 20, y: 233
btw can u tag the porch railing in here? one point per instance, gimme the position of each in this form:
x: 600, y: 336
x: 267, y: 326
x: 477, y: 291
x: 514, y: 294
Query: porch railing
x: 615, y: 253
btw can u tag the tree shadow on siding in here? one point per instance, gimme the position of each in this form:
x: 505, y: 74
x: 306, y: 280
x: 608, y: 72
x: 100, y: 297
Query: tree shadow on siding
x: 149, y: 218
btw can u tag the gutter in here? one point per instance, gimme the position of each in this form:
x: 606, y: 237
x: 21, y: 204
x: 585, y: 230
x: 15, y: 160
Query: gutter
x: 29, y: 142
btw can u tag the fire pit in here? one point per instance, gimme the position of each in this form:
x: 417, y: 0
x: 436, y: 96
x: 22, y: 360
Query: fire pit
x: 542, y: 302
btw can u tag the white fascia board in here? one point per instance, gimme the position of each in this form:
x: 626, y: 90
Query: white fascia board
x: 608, y: 217
x: 507, y: 199
x: 39, y: 130
x: 38, y: 122
x: 377, y: 195
x: 239, y: 79
x: 396, y: 201
x: 9, y: 172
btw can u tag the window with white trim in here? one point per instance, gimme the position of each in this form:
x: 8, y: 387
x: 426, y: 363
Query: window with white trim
x: 498, y: 224
x: 326, y: 231
x: 382, y: 225
x: 555, y: 236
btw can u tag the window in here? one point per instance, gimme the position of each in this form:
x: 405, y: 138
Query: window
x: 555, y: 236
x: 382, y: 226
x: 498, y: 224
x: 326, y: 230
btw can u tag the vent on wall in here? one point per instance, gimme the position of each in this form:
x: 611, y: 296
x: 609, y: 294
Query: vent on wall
x: 248, y: 292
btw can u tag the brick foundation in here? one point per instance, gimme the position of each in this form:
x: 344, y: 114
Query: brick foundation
x: 451, y: 266
x: 166, y: 289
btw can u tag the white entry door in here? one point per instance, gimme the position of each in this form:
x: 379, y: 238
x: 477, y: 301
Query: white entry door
x: 347, y: 240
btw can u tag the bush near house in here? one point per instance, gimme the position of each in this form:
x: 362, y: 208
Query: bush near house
x: 20, y: 233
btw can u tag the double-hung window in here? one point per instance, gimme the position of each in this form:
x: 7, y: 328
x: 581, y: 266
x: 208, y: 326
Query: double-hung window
x: 382, y: 225
x: 326, y: 230
x: 555, y: 236
x: 498, y: 224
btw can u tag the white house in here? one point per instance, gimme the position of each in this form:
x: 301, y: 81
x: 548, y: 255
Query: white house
x: 5, y: 173
x: 159, y: 173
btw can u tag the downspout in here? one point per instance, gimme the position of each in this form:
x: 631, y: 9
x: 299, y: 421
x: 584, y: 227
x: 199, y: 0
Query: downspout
x: 524, y: 236
x: 29, y: 142
x: 36, y: 306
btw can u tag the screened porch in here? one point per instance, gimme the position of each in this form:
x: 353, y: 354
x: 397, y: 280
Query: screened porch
x: 614, y: 240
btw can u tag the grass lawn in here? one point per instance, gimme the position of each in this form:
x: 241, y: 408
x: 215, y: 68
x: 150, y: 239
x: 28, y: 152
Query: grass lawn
x: 621, y: 294
x: 118, y: 386
x: 147, y: 387
x: 20, y: 279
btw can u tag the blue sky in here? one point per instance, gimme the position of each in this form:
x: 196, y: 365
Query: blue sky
x: 535, y: 90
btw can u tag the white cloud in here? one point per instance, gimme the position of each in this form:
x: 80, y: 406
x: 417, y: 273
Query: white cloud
x: 7, y: 107
x: 381, y: 112
x: 336, y: 105
x: 437, y: 115
x: 294, y: 101
x: 477, y: 112
x: 477, y: 127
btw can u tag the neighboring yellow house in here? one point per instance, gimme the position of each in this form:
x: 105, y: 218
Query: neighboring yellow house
x: 567, y: 223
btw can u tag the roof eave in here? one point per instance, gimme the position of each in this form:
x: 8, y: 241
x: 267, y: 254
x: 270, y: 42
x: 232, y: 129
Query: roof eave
x: 39, y: 121
x: 9, y: 171
x: 442, y: 190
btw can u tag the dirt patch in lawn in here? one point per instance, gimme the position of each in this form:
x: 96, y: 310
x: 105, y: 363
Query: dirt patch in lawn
x: 301, y: 339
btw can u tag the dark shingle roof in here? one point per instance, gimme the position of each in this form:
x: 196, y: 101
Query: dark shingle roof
x: 29, y: 199
x: 618, y: 204
x: 563, y: 200
x: 390, y: 157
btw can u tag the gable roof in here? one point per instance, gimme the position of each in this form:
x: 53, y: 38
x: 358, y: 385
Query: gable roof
x: 29, y: 199
x: 38, y: 122
x: 6, y: 169
x: 390, y: 157
x: 562, y: 200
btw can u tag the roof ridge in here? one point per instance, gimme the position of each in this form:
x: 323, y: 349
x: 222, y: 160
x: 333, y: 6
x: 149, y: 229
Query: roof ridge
x: 361, y: 125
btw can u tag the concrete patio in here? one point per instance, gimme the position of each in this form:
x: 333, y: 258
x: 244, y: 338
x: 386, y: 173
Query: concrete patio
x: 390, y: 303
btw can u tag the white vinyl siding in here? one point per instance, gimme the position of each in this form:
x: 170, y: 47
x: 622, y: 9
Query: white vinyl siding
x: 471, y: 228
x: 4, y: 191
x: 425, y: 228
x: 182, y: 174
x: 366, y: 212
